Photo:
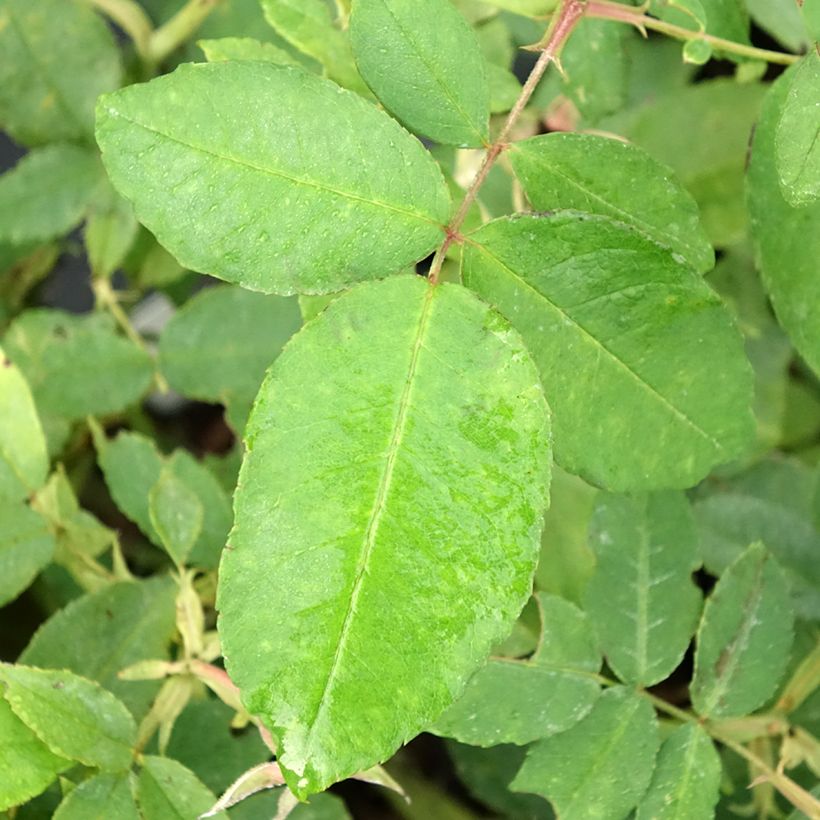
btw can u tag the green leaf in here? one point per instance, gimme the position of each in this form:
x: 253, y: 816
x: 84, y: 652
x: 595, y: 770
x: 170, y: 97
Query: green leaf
x: 56, y: 58
x: 423, y: 61
x: 101, y: 797
x: 77, y: 365
x: 619, y: 331
x: 615, y: 179
x: 92, y: 726
x: 46, y: 194
x: 364, y: 202
x: 528, y: 8
x: 132, y: 465
x: 245, y: 48
x: 744, y: 639
x: 702, y: 132
x: 787, y: 238
x: 686, y: 779
x: 697, y: 52
x: 97, y: 635
x: 772, y: 502
x: 641, y: 599
x: 307, y: 25
x: 513, y: 701
x: 110, y: 231
x: 219, y: 345
x: 27, y: 766
x: 23, y: 458
x: 781, y: 19
x: 166, y: 790
x: 176, y: 515
x: 797, y: 139
x: 504, y: 88
x: 26, y: 547
x: 345, y: 503
x: 599, y: 769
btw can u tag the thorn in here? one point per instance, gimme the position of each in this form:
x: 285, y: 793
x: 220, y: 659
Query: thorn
x: 559, y: 67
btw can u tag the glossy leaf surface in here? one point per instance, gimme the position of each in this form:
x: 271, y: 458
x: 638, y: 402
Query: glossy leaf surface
x: 744, y: 638
x: 56, y: 57
x: 427, y: 470
x: 641, y: 598
x: 518, y: 701
x: 94, y: 727
x: 424, y: 63
x: 619, y: 331
x: 615, y: 179
x: 322, y: 191
x: 599, y: 769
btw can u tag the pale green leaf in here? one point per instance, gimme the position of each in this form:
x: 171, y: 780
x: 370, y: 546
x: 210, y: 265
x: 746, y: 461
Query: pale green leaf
x: 504, y: 88
x: 781, y: 19
x: 27, y: 766
x: 46, y: 194
x: 132, y: 465
x: 686, y: 779
x: 99, y: 634
x: 321, y: 191
x: 176, y: 514
x: 616, y: 179
x: 641, y: 599
x: 810, y: 10
x: 312, y: 306
x: 599, y: 769
x: 423, y: 61
x: 102, y: 797
x: 688, y: 13
x: 219, y: 345
x: 75, y: 717
x: 697, y: 52
x: 772, y: 502
x: 619, y: 331
x: 787, y: 238
x: 399, y: 441
x: 56, y: 57
x: 26, y: 547
x: 515, y: 701
x: 23, y: 458
x: 528, y: 8
x: 245, y: 48
x: 77, y: 365
x: 308, y: 25
x: 797, y: 139
x: 110, y: 230
x: 702, y: 132
x: 744, y: 638
x: 166, y: 790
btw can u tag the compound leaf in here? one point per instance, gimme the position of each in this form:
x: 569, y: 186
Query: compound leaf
x: 27, y: 766
x: 797, y: 139
x: 56, y: 58
x: 26, y: 547
x: 518, y: 701
x: 46, y: 193
x: 787, y: 237
x: 641, y: 598
x: 23, y: 457
x: 400, y: 441
x: 616, y: 179
x: 322, y: 190
x: 75, y: 717
x: 619, y: 331
x: 686, y: 780
x: 99, y: 798
x: 600, y: 768
x: 423, y: 61
x: 744, y: 639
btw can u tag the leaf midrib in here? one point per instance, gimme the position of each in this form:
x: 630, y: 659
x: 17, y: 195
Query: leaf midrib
x: 368, y: 543
x: 309, y: 183
x: 677, y: 412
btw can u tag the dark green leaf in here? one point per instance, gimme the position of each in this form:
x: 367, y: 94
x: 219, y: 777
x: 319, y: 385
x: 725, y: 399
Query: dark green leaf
x: 56, y: 57
x: 75, y: 717
x: 436, y: 437
x: 323, y: 190
x: 599, y: 769
x: 641, y: 599
x: 166, y: 790
x: 613, y: 178
x: 744, y: 638
x: 102, y: 797
x: 423, y: 61
x: 620, y: 331
x: 110, y: 230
